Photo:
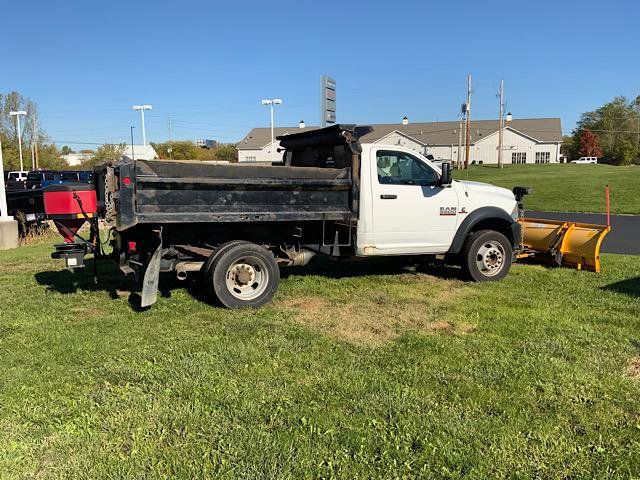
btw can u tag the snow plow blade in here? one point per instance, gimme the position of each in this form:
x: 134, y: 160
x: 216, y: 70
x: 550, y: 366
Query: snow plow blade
x: 565, y: 243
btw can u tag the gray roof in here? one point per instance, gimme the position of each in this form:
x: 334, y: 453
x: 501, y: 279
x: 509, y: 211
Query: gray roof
x: 544, y: 130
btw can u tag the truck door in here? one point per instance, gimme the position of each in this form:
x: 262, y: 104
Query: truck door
x: 411, y: 213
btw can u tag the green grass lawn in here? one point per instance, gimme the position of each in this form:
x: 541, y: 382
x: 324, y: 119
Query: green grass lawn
x: 354, y: 371
x: 566, y: 187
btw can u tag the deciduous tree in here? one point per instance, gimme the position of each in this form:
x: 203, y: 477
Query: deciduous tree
x: 109, y: 152
x: 176, y: 150
x: 617, y: 124
x: 589, y: 144
x: 227, y: 153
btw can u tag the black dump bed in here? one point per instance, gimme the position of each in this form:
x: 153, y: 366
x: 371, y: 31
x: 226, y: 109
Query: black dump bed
x: 314, y: 183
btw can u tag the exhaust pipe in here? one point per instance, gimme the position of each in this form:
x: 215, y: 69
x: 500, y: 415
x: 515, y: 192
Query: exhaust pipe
x: 183, y: 268
x: 301, y: 258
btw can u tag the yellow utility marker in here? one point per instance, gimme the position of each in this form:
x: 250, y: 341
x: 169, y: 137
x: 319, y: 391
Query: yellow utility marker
x: 567, y: 243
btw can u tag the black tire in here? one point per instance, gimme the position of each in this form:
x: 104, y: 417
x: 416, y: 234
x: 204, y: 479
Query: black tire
x: 206, y: 271
x: 486, y: 256
x: 221, y: 248
x: 243, y: 275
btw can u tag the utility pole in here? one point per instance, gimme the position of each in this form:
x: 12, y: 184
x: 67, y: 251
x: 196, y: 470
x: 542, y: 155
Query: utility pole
x: 468, y: 112
x: 501, y: 125
x: 17, y: 115
x: 36, y: 136
x: 170, y: 139
x: 133, y: 152
x: 459, y: 162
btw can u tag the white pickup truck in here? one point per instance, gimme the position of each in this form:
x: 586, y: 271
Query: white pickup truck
x: 236, y: 225
x: 18, y: 175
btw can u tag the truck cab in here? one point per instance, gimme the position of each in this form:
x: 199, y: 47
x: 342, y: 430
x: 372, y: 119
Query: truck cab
x: 406, y: 208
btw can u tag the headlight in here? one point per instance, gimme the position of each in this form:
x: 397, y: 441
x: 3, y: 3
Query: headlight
x: 515, y: 213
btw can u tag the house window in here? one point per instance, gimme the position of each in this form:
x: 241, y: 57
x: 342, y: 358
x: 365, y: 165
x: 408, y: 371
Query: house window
x: 543, y: 157
x: 250, y: 158
x: 519, y: 157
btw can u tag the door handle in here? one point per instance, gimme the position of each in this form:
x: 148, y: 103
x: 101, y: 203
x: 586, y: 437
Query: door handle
x: 389, y: 197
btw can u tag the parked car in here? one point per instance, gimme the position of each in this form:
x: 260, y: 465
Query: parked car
x: 586, y: 160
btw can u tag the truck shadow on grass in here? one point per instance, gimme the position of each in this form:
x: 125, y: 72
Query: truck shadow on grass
x: 117, y: 285
x: 75, y: 280
x: 110, y: 280
x: 630, y: 287
x: 346, y: 268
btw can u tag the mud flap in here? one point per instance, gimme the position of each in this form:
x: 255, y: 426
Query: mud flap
x: 149, y: 293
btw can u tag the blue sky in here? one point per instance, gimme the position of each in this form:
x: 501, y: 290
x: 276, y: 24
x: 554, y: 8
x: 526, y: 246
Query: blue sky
x: 207, y: 64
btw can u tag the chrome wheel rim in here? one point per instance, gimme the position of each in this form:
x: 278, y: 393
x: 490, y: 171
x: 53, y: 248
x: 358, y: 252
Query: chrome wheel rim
x: 490, y: 258
x: 247, y: 278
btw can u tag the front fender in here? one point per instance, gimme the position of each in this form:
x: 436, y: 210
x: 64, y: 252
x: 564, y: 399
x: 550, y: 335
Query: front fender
x: 489, y: 215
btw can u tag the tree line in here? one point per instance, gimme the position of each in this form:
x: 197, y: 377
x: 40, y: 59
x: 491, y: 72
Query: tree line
x: 50, y: 156
x: 611, y: 132
x: 174, y: 150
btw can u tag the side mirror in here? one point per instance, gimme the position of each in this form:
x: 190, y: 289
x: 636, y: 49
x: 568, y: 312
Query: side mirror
x: 520, y: 192
x: 445, y: 178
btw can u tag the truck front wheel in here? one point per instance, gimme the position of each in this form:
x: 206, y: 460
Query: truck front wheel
x: 486, y: 256
x: 243, y: 275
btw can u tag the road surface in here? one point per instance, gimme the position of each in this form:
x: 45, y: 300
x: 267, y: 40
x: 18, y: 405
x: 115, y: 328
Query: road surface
x: 625, y: 229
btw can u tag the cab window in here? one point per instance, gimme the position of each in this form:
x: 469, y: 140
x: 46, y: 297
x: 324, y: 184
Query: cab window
x: 399, y: 168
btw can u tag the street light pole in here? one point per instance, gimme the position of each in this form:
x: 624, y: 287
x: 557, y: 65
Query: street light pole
x: 133, y: 153
x: 271, y: 102
x: 272, y: 145
x: 4, y: 213
x: 142, y: 108
x: 17, y: 115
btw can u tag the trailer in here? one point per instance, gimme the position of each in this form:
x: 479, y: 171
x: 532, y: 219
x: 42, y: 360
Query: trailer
x: 236, y: 226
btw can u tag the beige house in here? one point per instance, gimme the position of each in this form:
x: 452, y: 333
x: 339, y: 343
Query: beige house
x: 532, y: 140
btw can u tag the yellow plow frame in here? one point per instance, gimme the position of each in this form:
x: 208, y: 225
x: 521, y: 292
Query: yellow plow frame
x: 567, y: 243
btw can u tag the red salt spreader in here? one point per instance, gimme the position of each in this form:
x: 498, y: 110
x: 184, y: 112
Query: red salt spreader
x: 70, y: 205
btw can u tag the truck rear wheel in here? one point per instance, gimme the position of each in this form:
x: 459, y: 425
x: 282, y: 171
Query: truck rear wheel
x: 486, y: 256
x: 243, y: 275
